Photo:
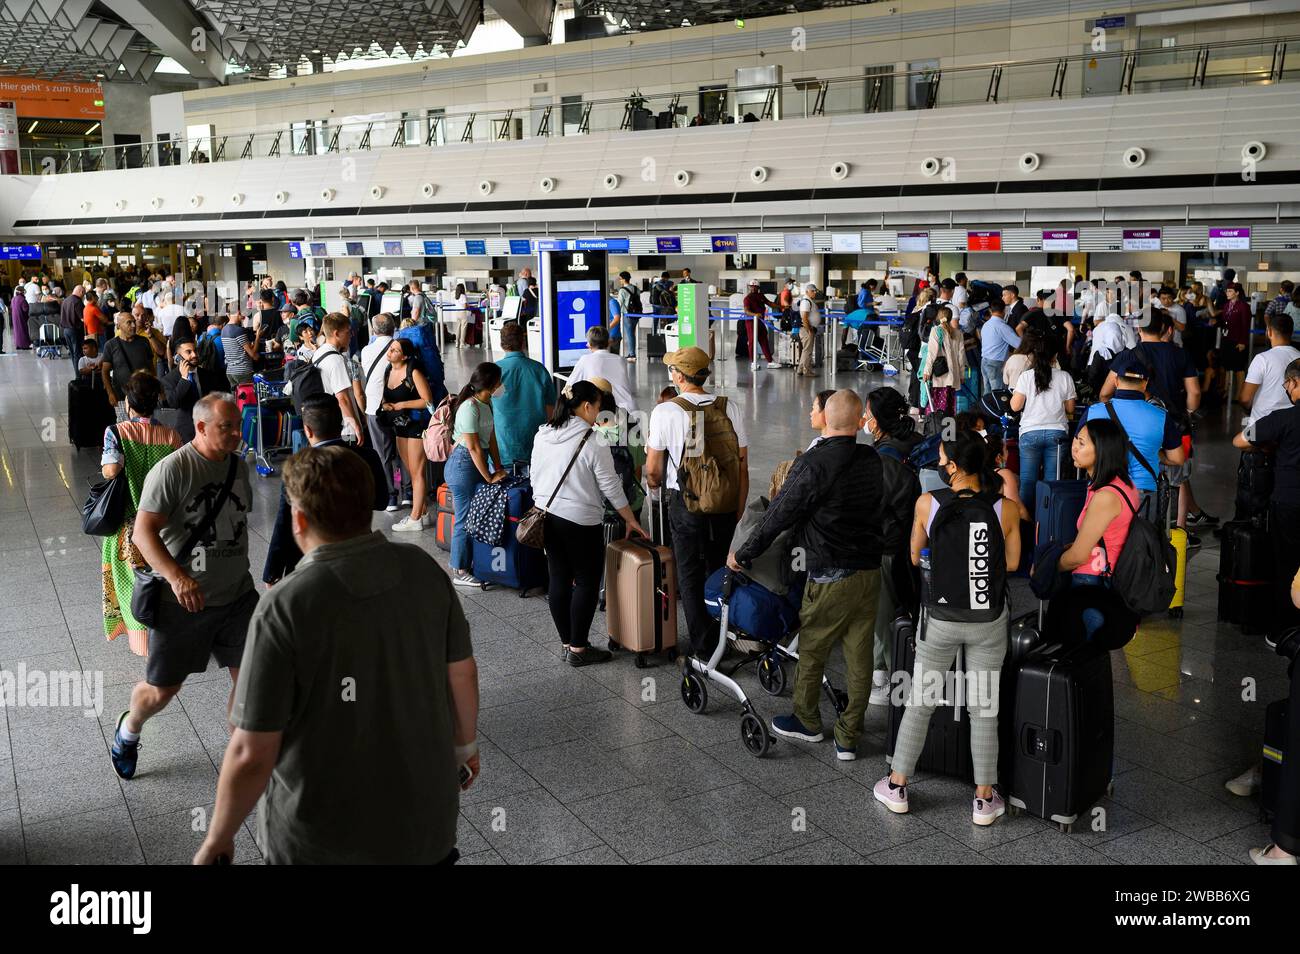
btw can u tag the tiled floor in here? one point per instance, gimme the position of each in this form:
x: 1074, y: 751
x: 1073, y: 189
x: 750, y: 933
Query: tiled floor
x: 602, y: 765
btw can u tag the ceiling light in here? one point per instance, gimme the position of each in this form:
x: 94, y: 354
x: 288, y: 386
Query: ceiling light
x: 92, y: 129
x: 32, y: 128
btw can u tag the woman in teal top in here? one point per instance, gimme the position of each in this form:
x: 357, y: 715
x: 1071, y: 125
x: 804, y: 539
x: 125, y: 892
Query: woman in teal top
x: 474, y: 460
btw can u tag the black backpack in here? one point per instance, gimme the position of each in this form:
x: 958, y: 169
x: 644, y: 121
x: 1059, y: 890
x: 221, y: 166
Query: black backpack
x: 1143, y: 576
x: 968, y: 564
x: 209, y: 357
x: 634, y: 300
x: 306, y: 380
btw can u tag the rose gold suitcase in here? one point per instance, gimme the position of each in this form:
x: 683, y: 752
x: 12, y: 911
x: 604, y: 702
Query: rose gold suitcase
x: 641, y: 598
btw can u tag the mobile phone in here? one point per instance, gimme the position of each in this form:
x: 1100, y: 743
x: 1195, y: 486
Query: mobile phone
x: 466, y: 775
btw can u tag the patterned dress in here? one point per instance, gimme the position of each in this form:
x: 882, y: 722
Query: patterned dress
x: 143, y: 443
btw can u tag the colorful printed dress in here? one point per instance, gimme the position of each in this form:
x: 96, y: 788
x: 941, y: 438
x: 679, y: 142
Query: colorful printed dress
x: 143, y: 442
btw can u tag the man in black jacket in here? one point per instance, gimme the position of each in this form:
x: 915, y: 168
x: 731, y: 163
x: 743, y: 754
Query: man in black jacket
x: 74, y: 331
x: 185, y: 384
x: 832, y: 496
x: 322, y: 423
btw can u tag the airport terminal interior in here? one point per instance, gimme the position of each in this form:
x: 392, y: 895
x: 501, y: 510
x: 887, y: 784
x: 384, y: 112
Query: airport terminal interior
x: 626, y: 192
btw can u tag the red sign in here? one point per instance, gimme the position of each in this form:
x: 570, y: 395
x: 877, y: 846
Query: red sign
x: 984, y: 241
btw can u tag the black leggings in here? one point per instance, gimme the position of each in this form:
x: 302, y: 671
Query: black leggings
x: 575, y: 557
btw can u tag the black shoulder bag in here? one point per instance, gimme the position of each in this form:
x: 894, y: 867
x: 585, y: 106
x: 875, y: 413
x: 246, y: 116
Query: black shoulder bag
x: 148, y: 589
x: 105, y: 508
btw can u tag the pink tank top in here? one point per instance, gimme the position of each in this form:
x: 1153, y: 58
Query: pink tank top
x: 1114, y: 535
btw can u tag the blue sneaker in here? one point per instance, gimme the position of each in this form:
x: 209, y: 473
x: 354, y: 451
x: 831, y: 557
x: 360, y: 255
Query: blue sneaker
x: 124, y: 754
x: 790, y: 727
x: 845, y: 755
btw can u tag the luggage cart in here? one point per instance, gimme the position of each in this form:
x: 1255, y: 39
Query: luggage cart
x: 270, y: 399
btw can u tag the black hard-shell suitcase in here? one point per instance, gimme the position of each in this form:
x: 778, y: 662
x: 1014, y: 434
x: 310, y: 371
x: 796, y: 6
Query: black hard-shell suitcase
x: 1256, y: 475
x: 1275, y: 744
x: 947, y: 744
x: 1026, y: 636
x: 1245, y: 576
x: 89, y: 414
x: 1064, y: 732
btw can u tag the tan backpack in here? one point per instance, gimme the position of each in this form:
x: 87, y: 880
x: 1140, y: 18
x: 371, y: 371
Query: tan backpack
x: 710, y: 480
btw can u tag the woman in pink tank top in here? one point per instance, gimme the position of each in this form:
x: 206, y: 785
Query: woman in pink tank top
x: 1101, y: 450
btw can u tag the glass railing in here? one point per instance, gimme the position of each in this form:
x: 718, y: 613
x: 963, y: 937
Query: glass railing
x: 1157, y: 69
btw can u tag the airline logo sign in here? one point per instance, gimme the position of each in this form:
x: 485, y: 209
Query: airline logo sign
x: 1229, y: 239
x: 981, y: 576
x: 1060, y: 240
x: 985, y: 241
x: 724, y: 244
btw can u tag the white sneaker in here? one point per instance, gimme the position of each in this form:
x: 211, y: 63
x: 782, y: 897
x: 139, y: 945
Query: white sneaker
x: 406, y: 502
x: 879, y: 688
x: 406, y: 524
x: 467, y: 579
x: 773, y: 364
x: 1247, y: 783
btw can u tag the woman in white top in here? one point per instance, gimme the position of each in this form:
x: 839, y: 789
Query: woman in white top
x: 1044, y: 396
x: 575, y: 511
x: 1022, y: 358
x: 945, y: 341
x: 462, y: 315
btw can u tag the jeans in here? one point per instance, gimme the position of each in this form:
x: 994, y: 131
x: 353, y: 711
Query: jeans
x: 1093, y: 619
x: 840, y: 612
x: 1040, y: 458
x: 629, y: 334
x: 700, y: 545
x: 575, y: 559
x: 992, y: 371
x: 462, y: 476
x: 74, y: 346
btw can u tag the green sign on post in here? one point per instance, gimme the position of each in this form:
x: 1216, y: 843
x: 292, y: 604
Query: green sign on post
x: 686, y: 313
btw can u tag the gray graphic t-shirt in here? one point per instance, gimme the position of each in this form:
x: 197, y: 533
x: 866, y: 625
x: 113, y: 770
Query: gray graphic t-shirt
x: 185, y: 486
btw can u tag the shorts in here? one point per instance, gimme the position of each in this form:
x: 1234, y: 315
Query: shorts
x: 412, y: 432
x: 1177, y: 474
x: 182, y: 642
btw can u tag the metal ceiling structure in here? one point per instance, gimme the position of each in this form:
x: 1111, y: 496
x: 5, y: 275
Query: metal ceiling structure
x: 71, y: 40
x: 667, y: 14
x: 258, y: 34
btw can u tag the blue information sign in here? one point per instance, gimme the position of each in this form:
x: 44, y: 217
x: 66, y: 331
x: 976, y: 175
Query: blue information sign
x: 724, y: 243
x: 475, y: 247
x: 295, y: 250
x: 521, y: 247
x: 665, y: 244
x: 432, y: 248
x: 20, y: 252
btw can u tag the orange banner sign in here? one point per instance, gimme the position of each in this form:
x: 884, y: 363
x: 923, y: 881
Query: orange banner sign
x: 50, y: 99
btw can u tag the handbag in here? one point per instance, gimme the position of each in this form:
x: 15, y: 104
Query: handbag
x: 531, y: 531
x: 940, y: 366
x: 104, y: 511
x: 147, y: 592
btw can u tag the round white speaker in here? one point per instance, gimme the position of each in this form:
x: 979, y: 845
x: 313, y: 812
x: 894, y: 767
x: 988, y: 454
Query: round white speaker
x: 485, y: 187
x: 840, y: 171
x: 547, y: 184
x: 758, y: 174
x: 610, y: 182
x: 327, y: 195
x: 281, y: 197
x: 376, y: 192
x: 1029, y: 162
x: 1134, y: 157
x: 930, y: 166
x: 428, y: 189
x: 1254, y: 150
x: 681, y: 178
x: 236, y: 198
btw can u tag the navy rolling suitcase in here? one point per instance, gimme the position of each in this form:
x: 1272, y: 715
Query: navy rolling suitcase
x: 1245, y: 576
x: 1064, y: 732
x: 947, y: 744
x: 1057, y: 505
x: 512, y: 564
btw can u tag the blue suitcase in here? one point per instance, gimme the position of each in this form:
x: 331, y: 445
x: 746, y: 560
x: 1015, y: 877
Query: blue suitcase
x: 512, y: 564
x: 1057, y: 505
x: 755, y: 610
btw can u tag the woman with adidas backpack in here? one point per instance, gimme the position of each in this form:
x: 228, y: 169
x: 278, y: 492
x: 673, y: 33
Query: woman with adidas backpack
x: 965, y: 540
x: 1101, y: 449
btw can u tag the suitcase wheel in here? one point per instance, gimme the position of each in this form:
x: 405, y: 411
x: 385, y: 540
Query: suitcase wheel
x: 1012, y: 810
x: 694, y: 694
x: 672, y: 654
x: 771, y: 675
x: 640, y: 663
x: 613, y: 645
x: 1175, y: 612
x: 753, y: 733
x: 1066, y: 828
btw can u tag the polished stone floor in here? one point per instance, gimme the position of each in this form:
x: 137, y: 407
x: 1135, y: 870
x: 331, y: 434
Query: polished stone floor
x: 597, y: 765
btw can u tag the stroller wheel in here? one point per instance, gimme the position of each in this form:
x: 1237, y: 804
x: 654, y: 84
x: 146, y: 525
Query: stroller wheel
x: 694, y: 694
x: 754, y: 734
x: 771, y: 675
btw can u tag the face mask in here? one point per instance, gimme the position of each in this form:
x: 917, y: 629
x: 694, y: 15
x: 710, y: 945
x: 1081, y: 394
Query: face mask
x: 983, y: 434
x: 945, y: 476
